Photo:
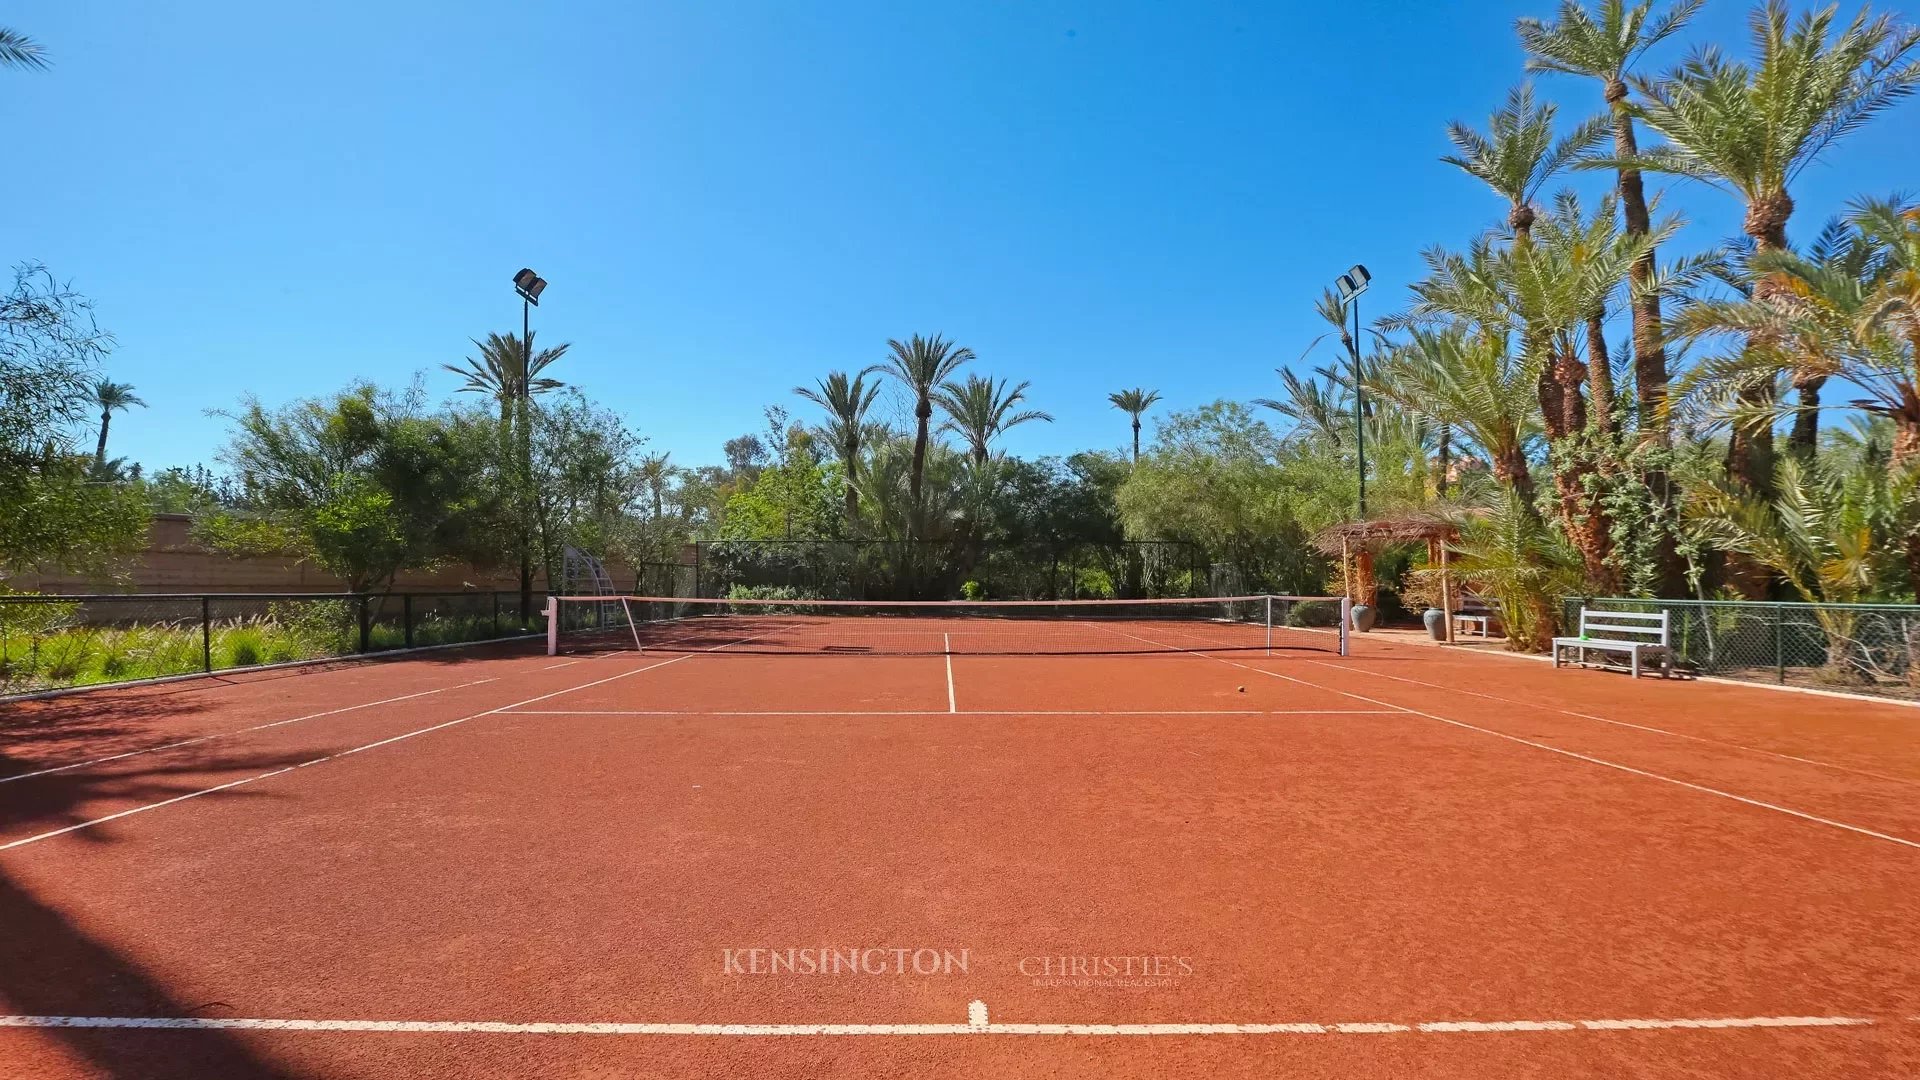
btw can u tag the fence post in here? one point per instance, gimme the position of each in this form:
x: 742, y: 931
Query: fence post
x: 366, y: 626
x: 1779, y: 645
x: 206, y: 633
x: 406, y: 618
x: 496, y: 614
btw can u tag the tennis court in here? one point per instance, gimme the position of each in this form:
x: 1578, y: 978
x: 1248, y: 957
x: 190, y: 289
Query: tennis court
x: 1191, y: 840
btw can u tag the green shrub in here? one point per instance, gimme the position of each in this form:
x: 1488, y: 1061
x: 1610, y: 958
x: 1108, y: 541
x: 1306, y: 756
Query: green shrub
x: 772, y: 592
x: 973, y: 590
x: 317, y: 627
x: 1093, y: 583
x: 1313, y: 613
x: 242, y: 645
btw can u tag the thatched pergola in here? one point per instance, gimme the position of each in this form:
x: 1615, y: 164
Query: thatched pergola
x: 1366, y: 537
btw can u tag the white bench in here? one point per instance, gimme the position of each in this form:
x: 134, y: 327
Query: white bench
x: 1635, y: 633
x: 1474, y: 616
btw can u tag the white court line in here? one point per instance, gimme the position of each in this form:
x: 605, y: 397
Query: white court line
x: 568, y: 663
x: 1803, y: 815
x: 235, y: 731
x: 946, y: 642
x: 977, y: 1024
x: 969, y: 712
x: 1620, y: 723
x: 344, y: 753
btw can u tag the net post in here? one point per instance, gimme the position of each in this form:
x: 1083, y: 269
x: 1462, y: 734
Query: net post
x: 553, y: 626
x: 631, y: 625
x: 1346, y: 624
x: 1269, y: 626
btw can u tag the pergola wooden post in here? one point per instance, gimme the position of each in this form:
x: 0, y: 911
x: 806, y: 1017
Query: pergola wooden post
x: 1437, y: 555
x: 1346, y: 569
x: 1356, y: 540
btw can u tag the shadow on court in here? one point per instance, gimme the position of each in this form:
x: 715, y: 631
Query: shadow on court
x: 50, y: 966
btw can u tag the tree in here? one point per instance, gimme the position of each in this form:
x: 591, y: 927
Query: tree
x: 1605, y: 47
x: 1511, y: 555
x: 656, y: 471
x: 362, y: 483
x: 1474, y: 381
x: 922, y: 365
x: 1753, y: 129
x: 1821, y: 532
x: 847, y: 402
x: 980, y: 410
x: 1211, y: 478
x: 792, y: 500
x: 1894, y: 306
x: 1134, y: 402
x: 1319, y: 411
x: 509, y: 371
x: 19, y: 50
x: 1539, y: 296
x: 51, y: 515
x: 1519, y: 154
x: 746, y: 455
x: 54, y: 517
x: 50, y: 351
x: 589, y: 484
x: 110, y: 397
x: 1811, y: 324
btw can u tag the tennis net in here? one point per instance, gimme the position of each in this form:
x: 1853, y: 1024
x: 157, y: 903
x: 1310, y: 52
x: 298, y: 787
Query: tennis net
x: 1256, y: 624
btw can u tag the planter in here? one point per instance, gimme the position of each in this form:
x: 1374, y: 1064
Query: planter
x: 1363, y: 616
x: 1436, y: 621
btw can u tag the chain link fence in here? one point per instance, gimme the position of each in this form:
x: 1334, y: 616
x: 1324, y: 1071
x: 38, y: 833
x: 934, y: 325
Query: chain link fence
x: 1864, y: 648
x: 55, y: 642
x: 944, y: 570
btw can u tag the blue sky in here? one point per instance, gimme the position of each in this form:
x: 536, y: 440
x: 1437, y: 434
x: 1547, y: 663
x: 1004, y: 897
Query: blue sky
x: 731, y: 198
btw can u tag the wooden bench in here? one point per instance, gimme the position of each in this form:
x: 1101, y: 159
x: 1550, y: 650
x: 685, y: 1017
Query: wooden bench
x: 1635, y: 633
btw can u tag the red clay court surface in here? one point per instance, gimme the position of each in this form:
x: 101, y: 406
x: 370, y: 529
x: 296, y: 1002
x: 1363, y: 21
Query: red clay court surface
x: 1409, y: 862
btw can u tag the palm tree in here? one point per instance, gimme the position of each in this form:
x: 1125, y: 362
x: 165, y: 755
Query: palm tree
x: 1604, y: 46
x: 1813, y: 323
x: 1519, y: 154
x: 509, y: 371
x: 504, y: 371
x: 923, y: 365
x: 655, y: 471
x: 1471, y: 380
x: 847, y: 402
x: 1817, y: 531
x: 1753, y: 130
x: 1541, y: 296
x: 1894, y: 306
x: 19, y: 50
x: 111, y: 397
x: 1134, y: 402
x: 1516, y: 558
x: 981, y: 410
x: 1319, y: 411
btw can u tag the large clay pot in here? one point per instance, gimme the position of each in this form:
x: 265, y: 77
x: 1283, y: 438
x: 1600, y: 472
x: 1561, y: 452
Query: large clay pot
x: 1436, y: 621
x: 1363, y: 616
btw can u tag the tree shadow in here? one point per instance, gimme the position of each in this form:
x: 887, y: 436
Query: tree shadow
x: 50, y: 966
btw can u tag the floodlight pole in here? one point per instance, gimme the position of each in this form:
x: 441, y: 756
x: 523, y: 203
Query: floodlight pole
x: 1359, y: 407
x: 1350, y: 285
x: 529, y: 285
